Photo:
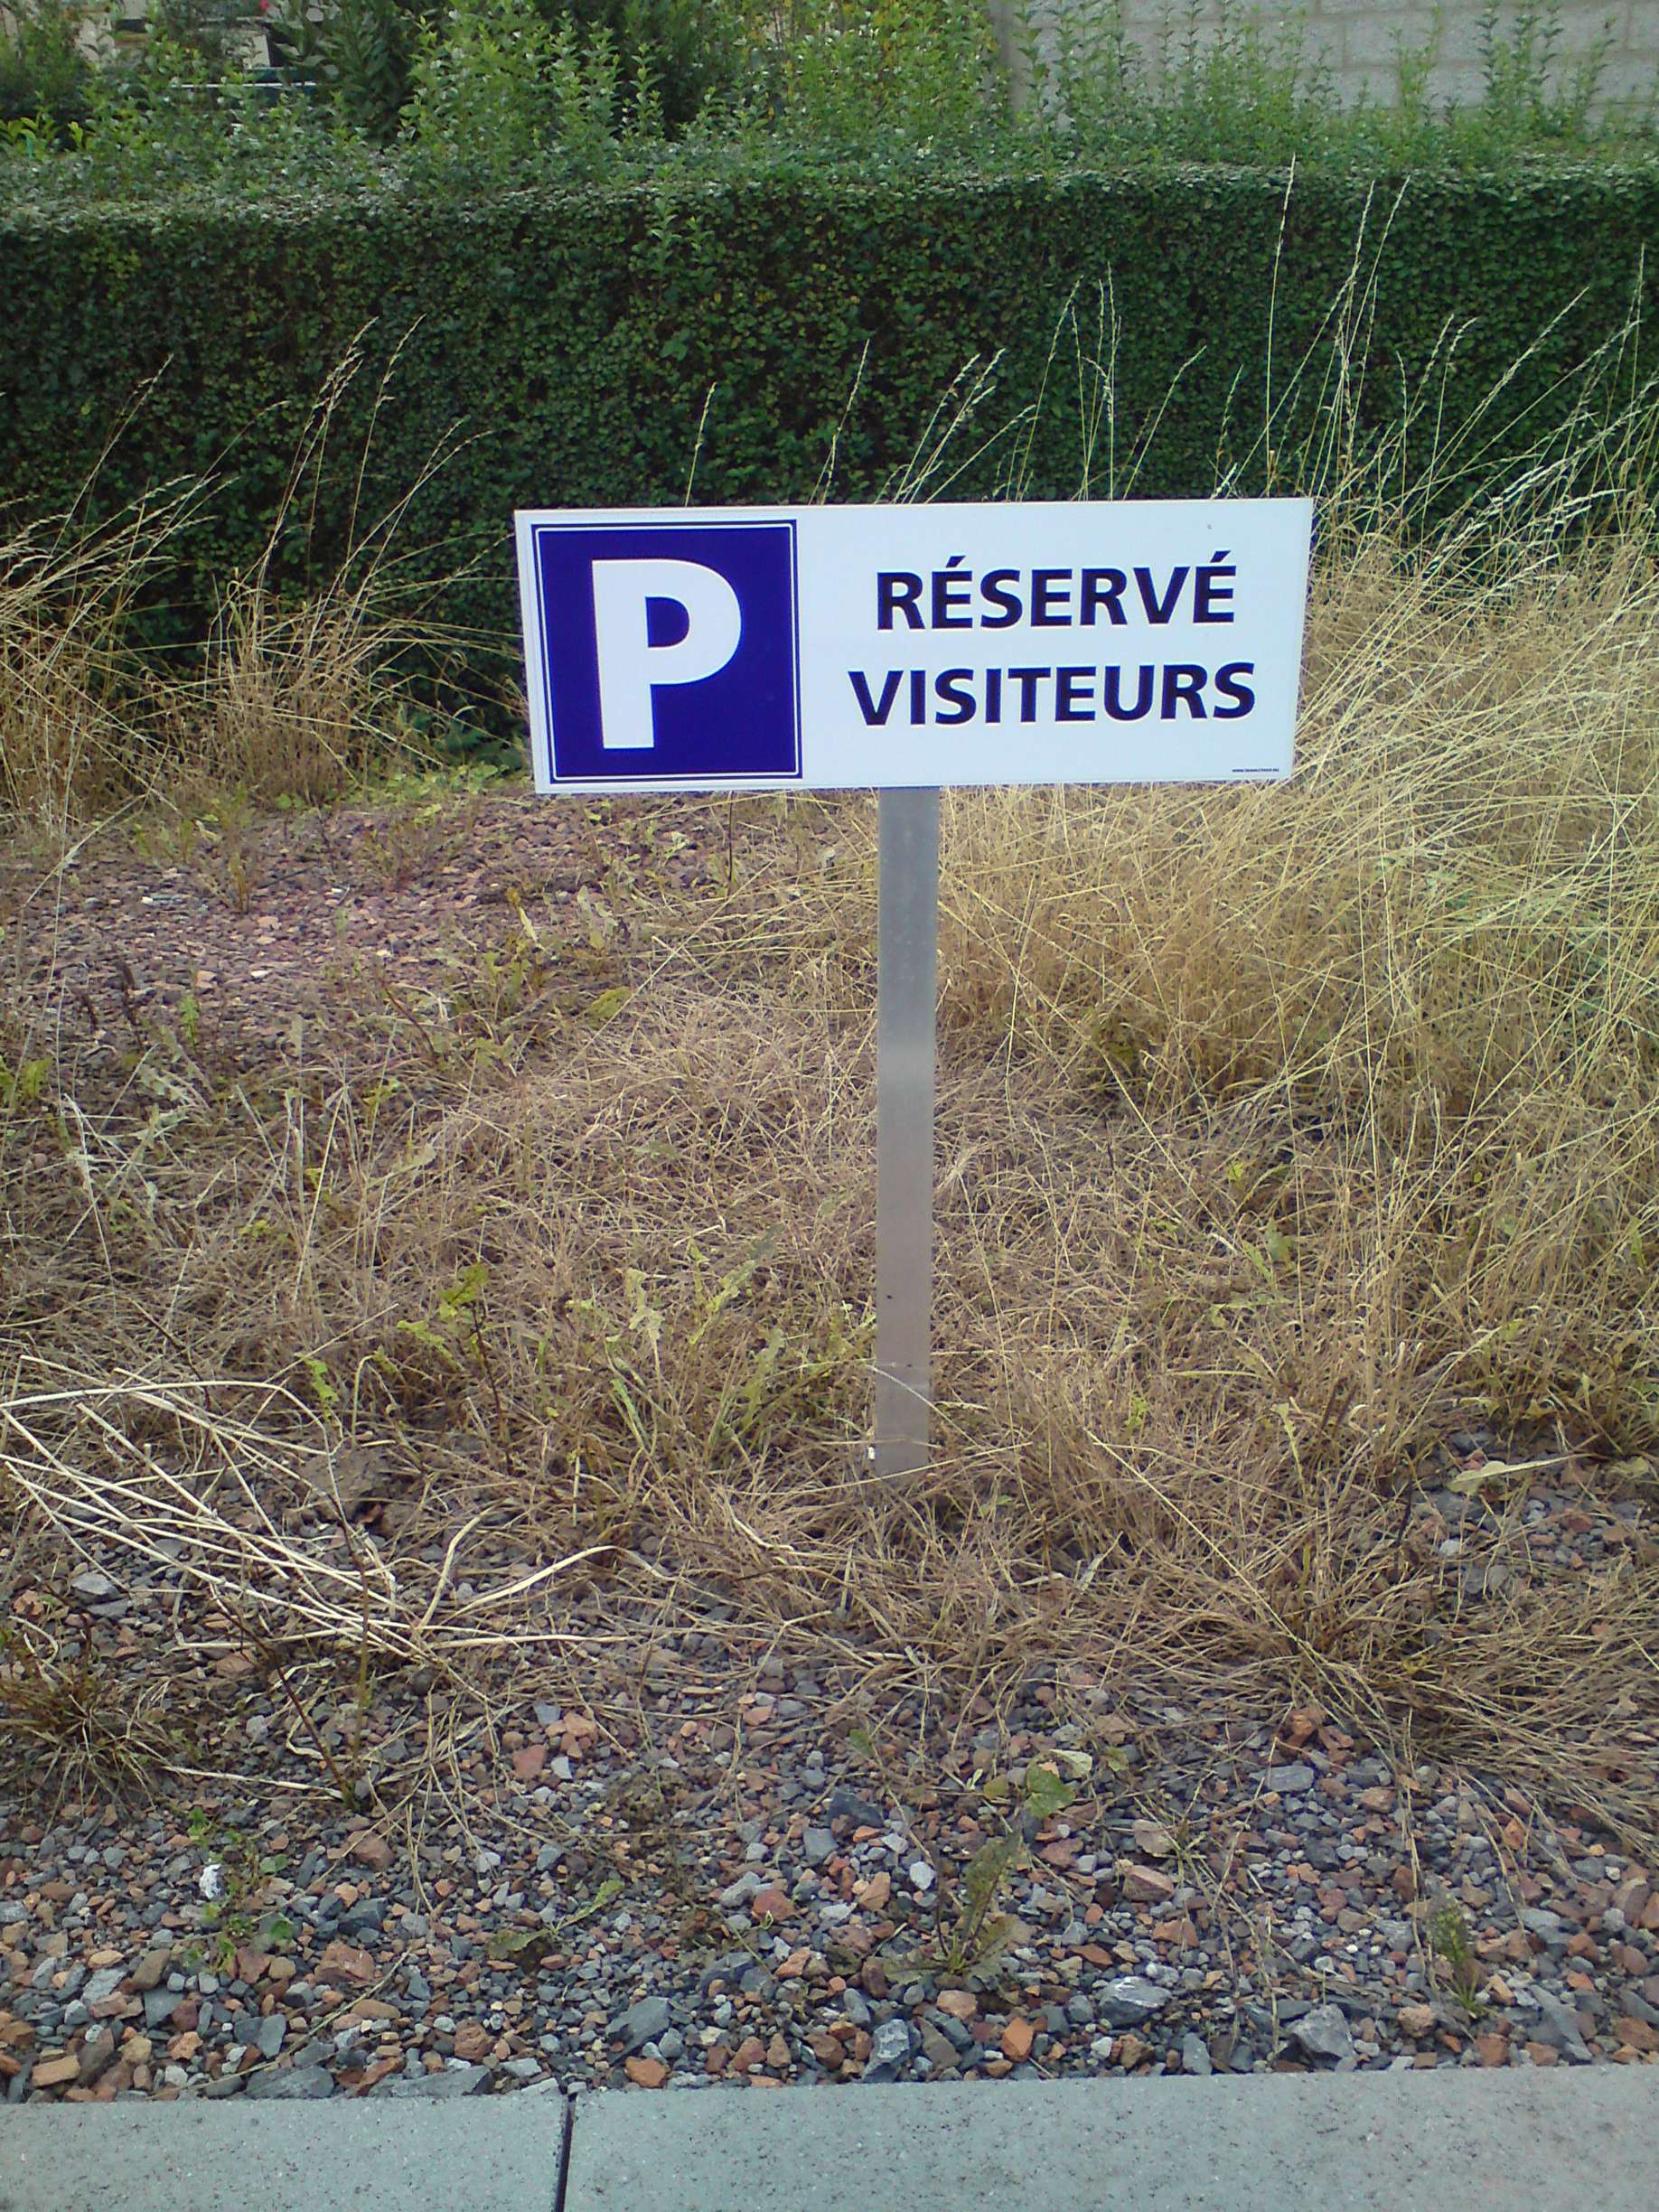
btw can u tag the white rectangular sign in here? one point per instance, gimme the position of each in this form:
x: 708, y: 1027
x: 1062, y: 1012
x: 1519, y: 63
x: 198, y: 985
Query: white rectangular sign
x: 830, y: 648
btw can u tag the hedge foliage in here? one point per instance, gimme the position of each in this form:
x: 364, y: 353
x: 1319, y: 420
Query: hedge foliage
x: 586, y: 342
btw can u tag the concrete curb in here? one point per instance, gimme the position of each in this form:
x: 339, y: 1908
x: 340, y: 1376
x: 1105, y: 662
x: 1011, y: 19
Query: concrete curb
x: 405, y: 2154
x: 1516, y: 2141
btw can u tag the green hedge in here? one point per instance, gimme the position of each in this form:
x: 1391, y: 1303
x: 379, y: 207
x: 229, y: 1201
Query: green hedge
x: 575, y: 336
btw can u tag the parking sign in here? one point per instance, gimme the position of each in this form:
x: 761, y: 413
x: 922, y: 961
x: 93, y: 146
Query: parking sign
x: 889, y: 647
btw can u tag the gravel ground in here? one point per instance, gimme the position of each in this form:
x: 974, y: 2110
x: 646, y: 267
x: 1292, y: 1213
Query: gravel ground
x: 707, y: 1872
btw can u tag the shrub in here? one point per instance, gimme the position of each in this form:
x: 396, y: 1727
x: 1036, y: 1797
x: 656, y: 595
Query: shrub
x: 483, y: 92
x: 1187, y: 328
x: 45, y: 75
x: 369, y: 50
x: 689, y: 49
x: 921, y: 75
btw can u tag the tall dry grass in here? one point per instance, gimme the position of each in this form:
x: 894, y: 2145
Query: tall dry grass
x: 281, y: 702
x: 290, y: 694
x: 70, y: 687
x: 1412, y: 995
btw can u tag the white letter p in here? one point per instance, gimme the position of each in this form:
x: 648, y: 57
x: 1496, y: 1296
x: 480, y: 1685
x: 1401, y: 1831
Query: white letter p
x: 630, y: 666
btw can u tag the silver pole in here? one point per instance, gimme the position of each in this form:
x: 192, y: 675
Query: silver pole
x: 906, y: 984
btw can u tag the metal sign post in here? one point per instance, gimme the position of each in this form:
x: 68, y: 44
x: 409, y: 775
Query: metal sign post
x: 906, y: 972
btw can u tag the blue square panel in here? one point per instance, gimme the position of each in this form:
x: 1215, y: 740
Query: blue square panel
x: 670, y: 650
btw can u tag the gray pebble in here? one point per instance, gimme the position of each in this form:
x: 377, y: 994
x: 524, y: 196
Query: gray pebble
x: 1323, y: 2033
x: 1292, y: 1780
x: 1558, y: 2024
x: 642, y: 2023
x: 454, y: 2081
x: 848, y: 1804
x: 1128, y: 2000
x: 889, y: 2051
x: 290, y: 2083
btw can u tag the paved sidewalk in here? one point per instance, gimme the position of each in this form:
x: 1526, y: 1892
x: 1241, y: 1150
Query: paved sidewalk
x: 460, y: 2154
x: 1514, y: 2142
x: 1511, y: 2140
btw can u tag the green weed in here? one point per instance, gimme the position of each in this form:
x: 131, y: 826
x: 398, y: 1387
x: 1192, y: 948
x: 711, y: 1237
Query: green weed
x: 236, y: 1878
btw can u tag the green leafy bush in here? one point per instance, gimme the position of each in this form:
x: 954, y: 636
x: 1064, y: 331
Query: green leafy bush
x: 688, y: 50
x: 204, y: 30
x: 482, y: 91
x: 368, y: 48
x: 1250, y: 90
x: 917, y: 75
x: 46, y: 77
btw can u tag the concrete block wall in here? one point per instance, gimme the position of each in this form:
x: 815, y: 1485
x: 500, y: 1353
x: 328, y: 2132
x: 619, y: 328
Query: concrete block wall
x: 1358, y: 41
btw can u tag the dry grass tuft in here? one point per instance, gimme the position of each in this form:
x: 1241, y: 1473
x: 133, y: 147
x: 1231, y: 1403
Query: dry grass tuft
x: 71, y: 1723
x: 1403, y: 1013
x: 293, y: 697
x: 69, y: 683
x: 288, y: 705
x: 286, y: 702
